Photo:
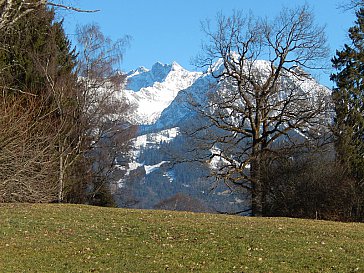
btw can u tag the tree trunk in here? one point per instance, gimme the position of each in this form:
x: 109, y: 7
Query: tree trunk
x: 257, y: 187
x: 257, y: 198
x: 61, y: 174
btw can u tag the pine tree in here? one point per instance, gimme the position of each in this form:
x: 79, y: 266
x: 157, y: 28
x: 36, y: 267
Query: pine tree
x: 348, y: 97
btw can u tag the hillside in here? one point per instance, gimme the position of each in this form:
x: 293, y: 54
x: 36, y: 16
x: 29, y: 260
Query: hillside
x: 71, y: 238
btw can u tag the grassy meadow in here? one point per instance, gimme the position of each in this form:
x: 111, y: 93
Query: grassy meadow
x: 78, y: 238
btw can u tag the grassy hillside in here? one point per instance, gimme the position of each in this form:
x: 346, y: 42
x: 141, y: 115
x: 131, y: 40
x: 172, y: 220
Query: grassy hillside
x: 70, y: 238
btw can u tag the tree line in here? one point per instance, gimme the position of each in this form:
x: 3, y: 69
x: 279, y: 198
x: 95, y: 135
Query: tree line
x: 59, y: 131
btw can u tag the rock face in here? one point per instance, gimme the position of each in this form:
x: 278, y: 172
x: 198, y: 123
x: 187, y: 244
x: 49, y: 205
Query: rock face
x: 163, y: 172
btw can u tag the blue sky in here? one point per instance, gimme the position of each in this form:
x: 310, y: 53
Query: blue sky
x: 169, y: 30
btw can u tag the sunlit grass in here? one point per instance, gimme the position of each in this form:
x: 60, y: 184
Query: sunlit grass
x: 71, y: 238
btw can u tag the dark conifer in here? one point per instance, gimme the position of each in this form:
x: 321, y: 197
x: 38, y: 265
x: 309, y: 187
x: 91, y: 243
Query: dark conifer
x: 348, y: 97
x: 34, y: 44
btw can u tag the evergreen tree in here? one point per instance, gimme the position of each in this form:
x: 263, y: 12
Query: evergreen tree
x: 34, y: 47
x: 38, y: 98
x: 348, y: 97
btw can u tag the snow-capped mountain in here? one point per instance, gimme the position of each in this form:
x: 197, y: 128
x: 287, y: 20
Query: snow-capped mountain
x: 162, y: 168
x: 153, y: 90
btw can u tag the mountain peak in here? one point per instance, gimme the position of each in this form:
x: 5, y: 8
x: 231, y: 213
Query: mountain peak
x: 143, y: 77
x: 159, y: 65
x: 160, y: 71
x: 153, y: 90
x: 160, y: 68
x: 176, y: 66
x: 139, y: 70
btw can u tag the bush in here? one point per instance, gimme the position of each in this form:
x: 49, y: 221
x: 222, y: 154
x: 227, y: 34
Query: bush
x: 310, y: 186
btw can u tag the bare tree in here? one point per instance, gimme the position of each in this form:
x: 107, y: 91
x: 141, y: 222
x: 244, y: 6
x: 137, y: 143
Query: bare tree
x: 261, y: 105
x: 105, y: 131
x: 27, y: 160
x: 352, y: 5
x: 11, y: 11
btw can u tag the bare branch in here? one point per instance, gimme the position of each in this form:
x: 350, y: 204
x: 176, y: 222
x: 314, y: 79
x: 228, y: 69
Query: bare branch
x: 12, y: 11
x: 261, y: 104
x: 71, y: 8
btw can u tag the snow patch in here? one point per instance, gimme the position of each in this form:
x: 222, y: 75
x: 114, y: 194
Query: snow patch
x: 152, y: 168
x: 156, y: 138
x: 170, y: 176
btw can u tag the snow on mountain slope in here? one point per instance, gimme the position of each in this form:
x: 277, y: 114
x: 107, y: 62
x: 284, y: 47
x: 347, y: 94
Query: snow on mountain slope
x: 163, y: 96
x: 143, y: 143
x: 182, y: 109
x: 153, y: 90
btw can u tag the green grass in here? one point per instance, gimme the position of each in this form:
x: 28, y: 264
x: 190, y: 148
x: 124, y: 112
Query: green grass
x: 72, y: 238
